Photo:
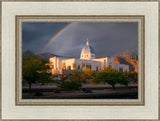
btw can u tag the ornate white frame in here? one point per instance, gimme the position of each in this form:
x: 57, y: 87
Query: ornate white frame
x: 10, y: 111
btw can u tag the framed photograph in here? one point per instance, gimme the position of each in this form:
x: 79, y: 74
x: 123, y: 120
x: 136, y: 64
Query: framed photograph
x: 83, y: 74
x: 80, y: 60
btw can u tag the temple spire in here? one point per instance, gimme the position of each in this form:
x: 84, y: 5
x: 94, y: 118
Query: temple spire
x: 87, y: 41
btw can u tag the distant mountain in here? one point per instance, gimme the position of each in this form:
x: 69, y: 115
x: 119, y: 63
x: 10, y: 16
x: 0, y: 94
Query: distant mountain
x: 46, y: 56
x: 128, y: 58
x: 127, y: 54
x: 27, y: 53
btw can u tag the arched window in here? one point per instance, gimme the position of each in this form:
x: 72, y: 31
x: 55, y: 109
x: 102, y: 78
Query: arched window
x: 121, y: 69
x: 78, y: 66
x: 96, y: 68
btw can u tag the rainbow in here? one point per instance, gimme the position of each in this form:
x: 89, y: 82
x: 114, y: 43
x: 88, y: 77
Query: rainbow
x: 55, y: 36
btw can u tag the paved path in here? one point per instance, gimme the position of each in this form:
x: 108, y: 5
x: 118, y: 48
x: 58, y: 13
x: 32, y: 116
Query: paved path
x: 103, y: 94
x: 97, y: 92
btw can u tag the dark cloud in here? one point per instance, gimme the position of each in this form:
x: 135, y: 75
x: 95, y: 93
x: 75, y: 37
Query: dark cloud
x: 107, y: 38
x: 36, y: 34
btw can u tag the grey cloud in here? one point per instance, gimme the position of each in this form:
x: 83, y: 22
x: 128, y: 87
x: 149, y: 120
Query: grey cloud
x: 107, y: 38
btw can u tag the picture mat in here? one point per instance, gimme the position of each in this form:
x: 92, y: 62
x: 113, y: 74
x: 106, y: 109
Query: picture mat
x: 149, y: 111
x: 139, y: 101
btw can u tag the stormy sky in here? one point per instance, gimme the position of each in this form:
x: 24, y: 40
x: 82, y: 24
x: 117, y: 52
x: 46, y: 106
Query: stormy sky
x: 67, y: 39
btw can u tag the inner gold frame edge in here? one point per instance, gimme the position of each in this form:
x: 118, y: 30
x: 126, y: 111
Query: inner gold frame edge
x: 37, y: 102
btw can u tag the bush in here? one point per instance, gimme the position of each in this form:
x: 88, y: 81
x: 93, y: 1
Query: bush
x: 70, y: 85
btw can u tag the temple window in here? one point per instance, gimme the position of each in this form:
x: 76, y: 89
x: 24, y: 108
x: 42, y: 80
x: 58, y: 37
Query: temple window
x: 78, y: 66
x: 89, y: 66
x: 121, y: 69
x: 69, y: 67
x: 96, y: 68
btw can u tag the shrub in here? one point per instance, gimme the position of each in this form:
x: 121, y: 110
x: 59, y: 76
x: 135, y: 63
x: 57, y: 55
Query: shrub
x: 70, y: 85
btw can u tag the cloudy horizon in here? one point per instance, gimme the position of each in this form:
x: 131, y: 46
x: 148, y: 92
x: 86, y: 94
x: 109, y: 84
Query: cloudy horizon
x: 67, y: 39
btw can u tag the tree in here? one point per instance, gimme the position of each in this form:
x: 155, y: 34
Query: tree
x: 116, y: 78
x: 44, y: 78
x: 133, y: 76
x: 82, y: 65
x: 109, y: 69
x: 34, y: 69
x: 112, y: 78
x: 101, y: 77
x: 88, y: 73
x: 77, y: 76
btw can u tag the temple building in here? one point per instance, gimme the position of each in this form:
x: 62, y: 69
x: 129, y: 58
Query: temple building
x: 87, y: 60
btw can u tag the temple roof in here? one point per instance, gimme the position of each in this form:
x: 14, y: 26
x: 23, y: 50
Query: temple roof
x: 87, y: 48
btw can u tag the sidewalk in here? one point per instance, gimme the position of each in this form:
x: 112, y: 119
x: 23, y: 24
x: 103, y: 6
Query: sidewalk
x: 95, y: 94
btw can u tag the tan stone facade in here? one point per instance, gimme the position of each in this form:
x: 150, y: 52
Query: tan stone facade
x: 87, y: 59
